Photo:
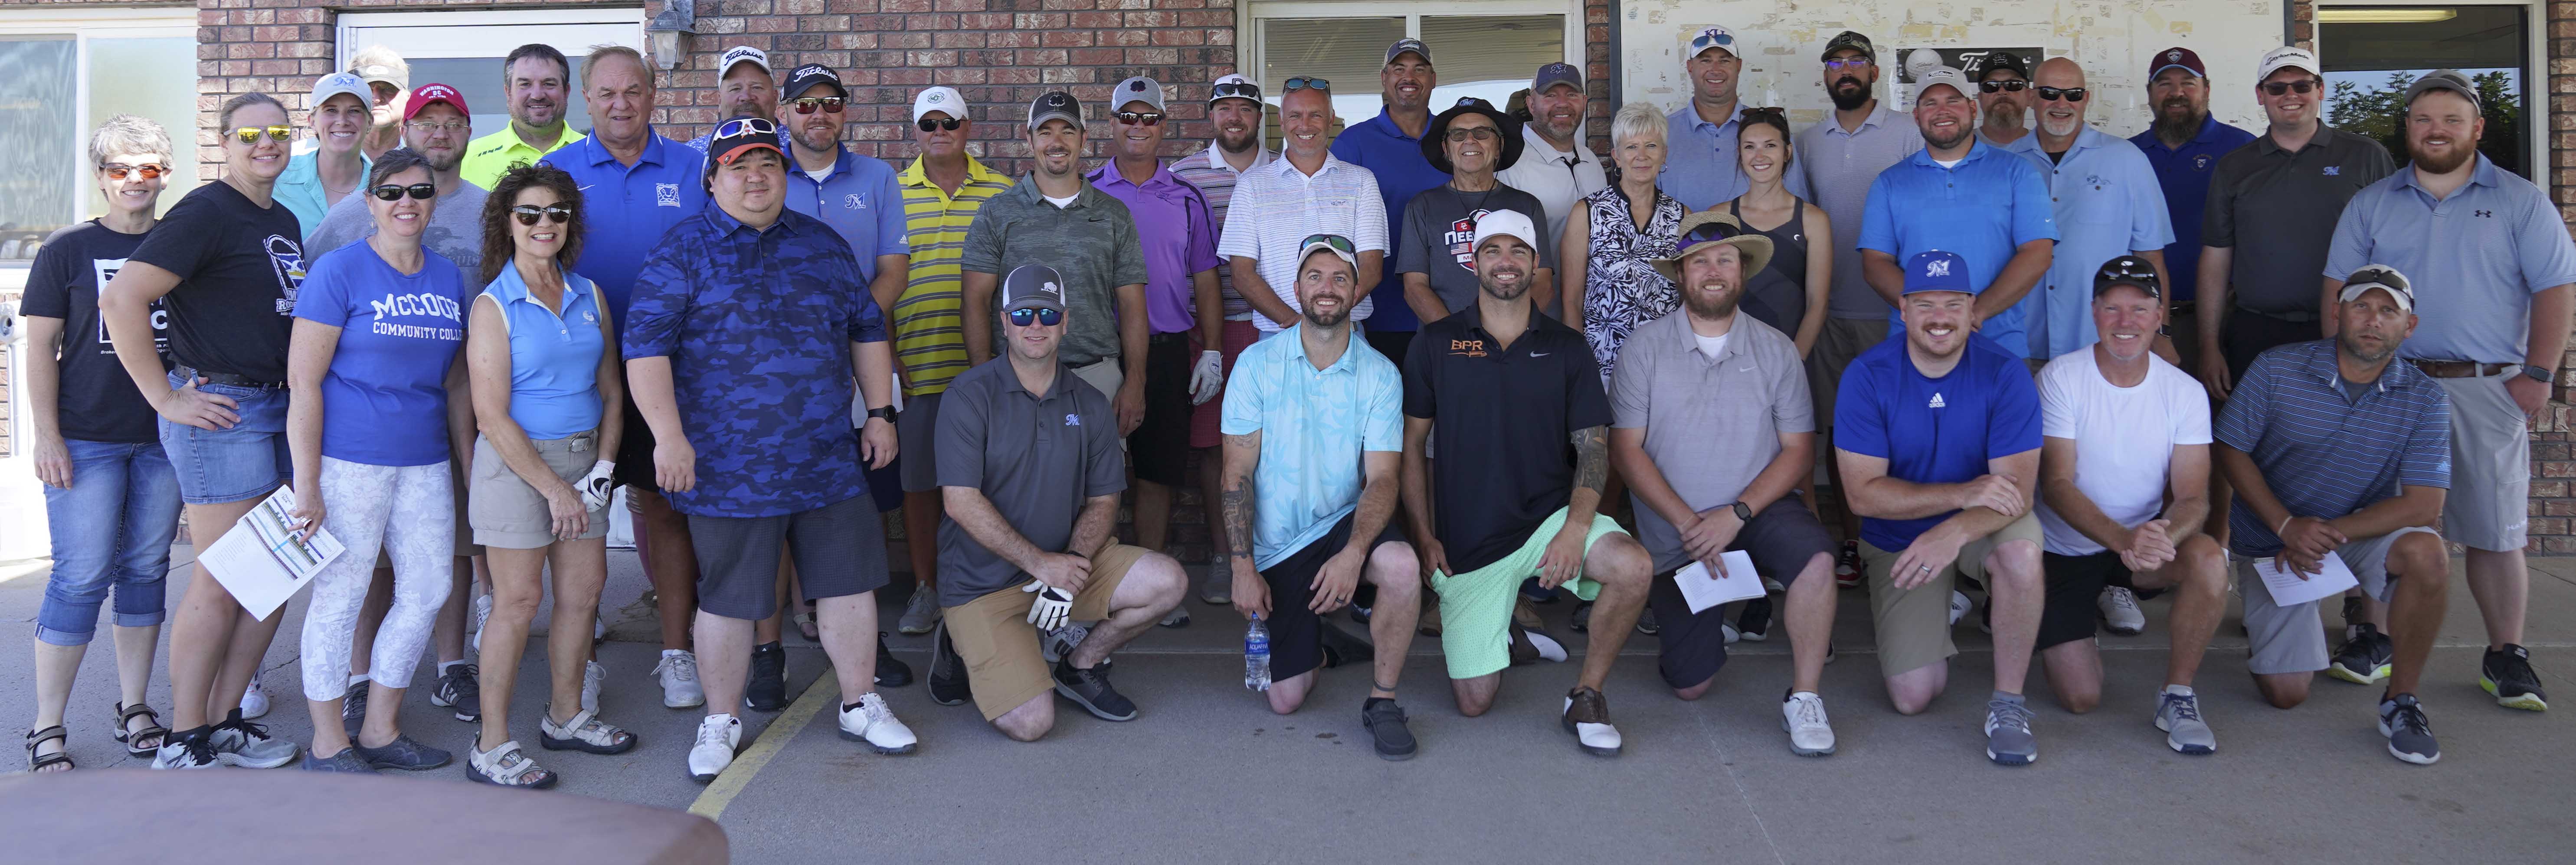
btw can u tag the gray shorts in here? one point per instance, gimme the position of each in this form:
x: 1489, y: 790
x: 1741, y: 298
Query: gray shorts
x: 1837, y: 345
x: 2293, y: 639
x: 839, y: 550
x: 506, y: 512
x: 916, y: 432
x: 2489, y: 506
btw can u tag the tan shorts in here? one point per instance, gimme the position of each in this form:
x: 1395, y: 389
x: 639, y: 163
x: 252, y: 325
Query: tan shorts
x: 2489, y: 506
x: 466, y: 547
x: 1837, y: 344
x: 1914, y: 625
x: 506, y: 512
x: 1000, y: 648
x: 1107, y: 376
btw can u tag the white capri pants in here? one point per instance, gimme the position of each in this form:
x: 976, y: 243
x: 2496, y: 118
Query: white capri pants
x: 409, y: 512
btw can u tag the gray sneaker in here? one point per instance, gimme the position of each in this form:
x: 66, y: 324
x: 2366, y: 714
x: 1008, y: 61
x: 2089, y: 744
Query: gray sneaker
x: 353, y: 709
x: 2008, y: 738
x: 404, y: 752
x: 920, y: 613
x: 2179, y: 716
x: 346, y: 762
x: 1059, y: 644
x: 2410, y: 734
x: 241, y: 743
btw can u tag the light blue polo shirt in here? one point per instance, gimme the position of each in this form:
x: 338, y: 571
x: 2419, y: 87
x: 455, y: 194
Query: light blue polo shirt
x: 1701, y: 167
x: 2108, y: 203
x: 628, y: 207
x: 554, y: 359
x: 2475, y: 258
x: 859, y: 199
x: 1983, y: 209
x: 299, y: 187
x: 1396, y: 160
x: 1315, y: 426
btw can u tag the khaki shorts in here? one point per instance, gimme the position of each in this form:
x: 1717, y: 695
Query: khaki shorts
x: 1914, y: 625
x: 2293, y: 639
x: 1841, y: 341
x: 993, y: 635
x: 2489, y: 507
x: 506, y: 512
x: 1106, y: 375
x: 466, y: 543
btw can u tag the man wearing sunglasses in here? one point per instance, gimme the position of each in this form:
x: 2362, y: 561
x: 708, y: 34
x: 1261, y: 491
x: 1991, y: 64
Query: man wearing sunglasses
x: 2107, y: 202
x: 538, y: 80
x: 2493, y: 342
x: 855, y: 195
x: 2003, y: 96
x: 1436, y: 256
x: 1959, y: 194
x: 1234, y: 107
x: 750, y: 324
x: 436, y: 125
x: 1388, y: 146
x: 1701, y: 168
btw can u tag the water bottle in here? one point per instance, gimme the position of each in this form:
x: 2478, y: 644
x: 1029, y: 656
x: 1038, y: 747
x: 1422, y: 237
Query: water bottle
x: 1256, y: 656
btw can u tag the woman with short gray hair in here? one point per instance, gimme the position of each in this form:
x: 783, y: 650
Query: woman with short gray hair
x: 1610, y: 284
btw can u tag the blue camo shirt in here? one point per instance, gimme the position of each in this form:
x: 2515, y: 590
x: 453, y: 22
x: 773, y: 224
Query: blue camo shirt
x: 2184, y: 172
x: 1379, y: 145
x: 758, y: 326
x: 2108, y: 203
x: 627, y: 208
x: 1983, y: 209
x: 1934, y: 430
x: 858, y: 199
x: 2323, y: 453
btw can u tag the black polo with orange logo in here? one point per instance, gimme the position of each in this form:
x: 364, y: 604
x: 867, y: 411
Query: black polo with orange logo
x: 1506, y: 418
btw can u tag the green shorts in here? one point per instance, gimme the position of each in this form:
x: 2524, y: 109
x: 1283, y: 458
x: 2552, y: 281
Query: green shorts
x: 1476, y: 606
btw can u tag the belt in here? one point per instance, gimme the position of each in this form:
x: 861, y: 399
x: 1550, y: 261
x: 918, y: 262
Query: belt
x: 1175, y: 336
x: 2295, y: 316
x: 227, y: 379
x: 2183, y: 306
x: 2462, y: 368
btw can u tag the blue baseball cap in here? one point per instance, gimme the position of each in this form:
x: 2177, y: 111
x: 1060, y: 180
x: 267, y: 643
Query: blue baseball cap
x: 1937, y: 270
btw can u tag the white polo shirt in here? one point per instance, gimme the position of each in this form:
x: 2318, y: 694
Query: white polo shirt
x: 1559, y: 178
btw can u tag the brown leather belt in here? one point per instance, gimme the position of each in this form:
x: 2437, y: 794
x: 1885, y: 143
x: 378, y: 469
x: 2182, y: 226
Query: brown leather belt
x: 2463, y: 368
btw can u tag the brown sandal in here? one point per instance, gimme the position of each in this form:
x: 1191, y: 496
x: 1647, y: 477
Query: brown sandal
x: 36, y: 763
x: 125, y: 715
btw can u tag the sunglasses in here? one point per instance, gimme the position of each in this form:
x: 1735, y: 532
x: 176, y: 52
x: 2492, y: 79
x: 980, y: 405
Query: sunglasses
x: 1479, y: 133
x: 950, y: 123
x: 418, y: 191
x: 2123, y: 271
x: 828, y: 104
x: 2014, y: 85
x: 555, y: 213
x: 1705, y: 41
x: 2277, y: 88
x: 1139, y: 118
x: 2070, y: 94
x: 1708, y: 233
x: 1851, y: 63
x: 1237, y: 90
x: 1305, y: 82
x: 1046, y: 317
x: 1337, y: 242
x: 118, y: 172
x: 250, y: 134
x: 1772, y: 111
x: 2380, y: 275
x: 753, y: 125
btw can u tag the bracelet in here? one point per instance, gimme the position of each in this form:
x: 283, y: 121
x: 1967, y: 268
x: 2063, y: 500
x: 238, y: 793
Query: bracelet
x: 2285, y: 525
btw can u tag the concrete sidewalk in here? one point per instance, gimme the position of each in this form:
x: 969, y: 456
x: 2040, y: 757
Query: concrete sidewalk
x: 1208, y: 773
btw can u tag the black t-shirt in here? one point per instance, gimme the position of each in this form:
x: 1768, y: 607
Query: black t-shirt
x: 1439, y: 234
x: 239, y: 266
x: 1504, y: 458
x: 96, y: 400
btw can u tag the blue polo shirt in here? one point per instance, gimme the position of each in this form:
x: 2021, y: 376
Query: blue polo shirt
x: 1701, y: 166
x: 2108, y: 203
x: 1934, y: 430
x: 628, y: 207
x: 758, y: 325
x: 2476, y: 258
x: 859, y: 199
x: 1990, y: 204
x: 1317, y: 428
x: 2326, y: 454
x: 1380, y: 146
x: 2184, y: 174
x: 554, y: 358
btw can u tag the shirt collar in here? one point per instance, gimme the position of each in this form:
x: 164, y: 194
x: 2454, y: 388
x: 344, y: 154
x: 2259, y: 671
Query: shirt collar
x: 1678, y: 330
x: 1108, y: 175
x: 1348, y: 362
x: 1977, y: 149
x: 1878, y: 116
x: 510, y: 287
x: 1028, y: 191
x: 1285, y: 167
x: 1385, y: 122
x: 2086, y: 138
x: 2322, y: 365
x: 2208, y: 133
x: 726, y: 225
x: 841, y: 164
x: 1216, y: 160
x: 1011, y: 380
x: 653, y: 144
x: 2481, y: 175
x: 1690, y: 112
x: 916, y: 175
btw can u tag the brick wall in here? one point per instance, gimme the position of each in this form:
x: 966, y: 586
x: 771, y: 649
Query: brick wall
x: 2554, y: 434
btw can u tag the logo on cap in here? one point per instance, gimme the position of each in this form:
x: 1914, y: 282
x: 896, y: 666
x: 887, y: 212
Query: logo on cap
x: 1936, y: 267
x: 934, y: 97
x: 1137, y: 86
x: 2174, y: 55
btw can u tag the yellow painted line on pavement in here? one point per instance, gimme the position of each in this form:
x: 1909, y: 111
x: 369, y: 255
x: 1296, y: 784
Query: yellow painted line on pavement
x: 826, y: 691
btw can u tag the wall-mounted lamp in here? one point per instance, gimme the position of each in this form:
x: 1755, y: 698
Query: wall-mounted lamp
x: 667, y: 34
x: 2366, y: 15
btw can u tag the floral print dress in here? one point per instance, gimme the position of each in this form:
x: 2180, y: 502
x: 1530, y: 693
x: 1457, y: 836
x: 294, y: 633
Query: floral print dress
x: 1621, y: 289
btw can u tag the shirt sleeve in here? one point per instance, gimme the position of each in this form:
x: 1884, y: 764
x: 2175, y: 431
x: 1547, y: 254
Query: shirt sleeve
x: 2352, y: 246
x: 867, y: 320
x: 2240, y: 422
x: 892, y: 231
x: 1860, y: 414
x: 1104, y: 461
x: 49, y: 282
x: 2034, y: 217
x: 1586, y: 405
x: 324, y: 296
x: 983, y: 252
x: 1240, y: 237
x: 1201, y: 255
x: 185, y: 241
x: 2426, y: 462
x: 340, y: 226
x: 1793, y: 409
x: 2012, y: 426
x: 2547, y: 256
x: 1410, y: 256
x: 1247, y: 394
x: 2056, y: 405
x: 658, y: 303
x: 2218, y: 214
x: 2150, y: 224
x: 1420, y: 398
x: 1629, y: 406
x: 2188, y: 405
x: 959, y: 452
x: 1382, y: 427
x: 1878, y: 222
x: 1129, y: 267
x: 1372, y: 222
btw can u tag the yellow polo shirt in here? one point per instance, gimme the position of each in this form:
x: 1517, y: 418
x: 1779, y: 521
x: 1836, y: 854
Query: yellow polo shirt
x: 486, y: 158
x: 929, y: 334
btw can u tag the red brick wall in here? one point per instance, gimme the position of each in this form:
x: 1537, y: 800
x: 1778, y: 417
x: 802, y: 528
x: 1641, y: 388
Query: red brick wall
x: 2552, y: 504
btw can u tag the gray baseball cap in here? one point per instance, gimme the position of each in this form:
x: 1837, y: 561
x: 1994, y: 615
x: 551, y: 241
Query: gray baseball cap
x: 2444, y: 79
x: 1137, y: 89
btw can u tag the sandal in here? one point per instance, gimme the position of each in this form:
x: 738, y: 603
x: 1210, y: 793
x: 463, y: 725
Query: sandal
x: 505, y: 766
x: 805, y: 625
x: 134, y: 740
x: 35, y: 738
x: 584, y: 732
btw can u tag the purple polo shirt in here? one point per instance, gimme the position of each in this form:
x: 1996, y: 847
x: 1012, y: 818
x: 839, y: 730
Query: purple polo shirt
x: 1179, y: 237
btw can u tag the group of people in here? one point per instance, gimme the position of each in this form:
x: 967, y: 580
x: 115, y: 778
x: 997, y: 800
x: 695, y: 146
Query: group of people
x: 767, y: 339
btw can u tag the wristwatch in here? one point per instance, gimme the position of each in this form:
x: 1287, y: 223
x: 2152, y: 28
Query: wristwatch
x: 883, y: 413
x: 1742, y: 511
x: 2540, y: 374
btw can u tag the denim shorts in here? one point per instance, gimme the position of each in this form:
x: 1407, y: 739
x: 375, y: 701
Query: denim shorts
x: 245, y: 462
x: 111, y: 528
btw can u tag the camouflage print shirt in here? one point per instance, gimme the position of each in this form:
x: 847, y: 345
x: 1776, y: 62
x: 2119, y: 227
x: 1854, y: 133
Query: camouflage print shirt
x: 759, y: 326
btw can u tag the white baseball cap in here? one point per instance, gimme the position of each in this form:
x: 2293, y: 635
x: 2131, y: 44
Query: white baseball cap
x: 942, y: 99
x: 743, y: 54
x: 2287, y: 57
x: 1501, y: 223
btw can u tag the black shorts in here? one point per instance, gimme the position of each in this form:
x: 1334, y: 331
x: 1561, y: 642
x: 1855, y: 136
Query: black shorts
x: 635, y: 451
x: 1392, y: 343
x: 1782, y: 539
x: 2074, y: 582
x: 1296, y: 633
x: 2250, y: 334
x: 839, y: 550
x: 1159, y: 449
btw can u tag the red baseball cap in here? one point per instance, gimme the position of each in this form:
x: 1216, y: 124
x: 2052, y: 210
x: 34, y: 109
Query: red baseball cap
x: 429, y: 94
x: 2176, y: 57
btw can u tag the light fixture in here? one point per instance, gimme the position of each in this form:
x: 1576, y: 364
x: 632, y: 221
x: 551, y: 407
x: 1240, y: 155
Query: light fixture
x: 2384, y: 15
x: 666, y: 35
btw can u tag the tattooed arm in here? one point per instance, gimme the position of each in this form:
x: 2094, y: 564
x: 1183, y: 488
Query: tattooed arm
x: 1242, y: 453
x: 1564, y: 556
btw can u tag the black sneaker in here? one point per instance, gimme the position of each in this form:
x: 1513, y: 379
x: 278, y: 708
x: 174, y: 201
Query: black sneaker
x: 1340, y: 647
x: 891, y: 671
x: 2410, y: 734
x: 2365, y: 658
x: 353, y: 709
x: 1582, y: 621
x: 2507, y: 674
x: 461, y: 689
x: 1847, y: 566
x: 1531, y: 592
x: 1090, y: 689
x: 1385, y: 723
x: 947, y: 671
x: 1755, y: 622
x: 767, y: 690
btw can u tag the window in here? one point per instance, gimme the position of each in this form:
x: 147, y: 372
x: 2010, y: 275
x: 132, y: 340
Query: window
x: 1489, y: 55
x: 62, y: 72
x: 2372, y: 53
x: 464, y: 49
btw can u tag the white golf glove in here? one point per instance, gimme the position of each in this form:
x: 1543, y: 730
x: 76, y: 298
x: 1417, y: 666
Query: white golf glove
x: 1207, y: 378
x: 1052, y: 607
x: 596, y: 486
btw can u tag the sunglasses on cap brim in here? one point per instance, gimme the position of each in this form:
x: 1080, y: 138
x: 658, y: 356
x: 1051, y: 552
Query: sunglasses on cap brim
x: 1041, y: 315
x: 1236, y: 90
x: 2127, y: 273
x: 741, y: 125
x: 1337, y: 242
x: 1707, y: 233
x: 1305, y: 82
x: 2379, y: 276
x: 1705, y: 41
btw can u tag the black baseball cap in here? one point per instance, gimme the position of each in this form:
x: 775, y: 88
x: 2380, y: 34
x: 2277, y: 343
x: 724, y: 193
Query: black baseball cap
x: 1033, y: 286
x: 1849, y: 39
x: 2000, y: 59
x: 1055, y: 105
x: 810, y: 76
x: 2127, y: 270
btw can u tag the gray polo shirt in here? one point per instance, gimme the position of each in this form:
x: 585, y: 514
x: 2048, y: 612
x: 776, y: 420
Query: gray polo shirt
x: 2281, y: 206
x: 1092, y: 243
x: 455, y: 227
x: 1839, y: 167
x: 1711, y: 424
x: 1037, y: 457
x: 2481, y: 254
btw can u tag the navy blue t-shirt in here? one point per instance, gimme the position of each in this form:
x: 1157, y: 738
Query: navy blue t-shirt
x: 384, y: 402
x: 1934, y: 430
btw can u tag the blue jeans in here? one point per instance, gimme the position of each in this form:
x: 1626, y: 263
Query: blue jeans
x: 112, y: 527
x: 246, y: 462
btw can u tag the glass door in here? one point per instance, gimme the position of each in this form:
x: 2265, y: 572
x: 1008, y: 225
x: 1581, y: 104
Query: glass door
x: 1489, y: 55
x: 464, y: 49
x: 2372, y: 53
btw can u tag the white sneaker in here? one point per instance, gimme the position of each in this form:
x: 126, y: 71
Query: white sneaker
x: 678, y: 674
x: 598, y: 629
x: 482, y: 613
x: 1728, y: 631
x: 178, y: 755
x: 718, y: 737
x: 1803, y: 718
x: 876, y: 725
x: 254, y: 700
x: 592, y: 677
x: 1548, y: 648
x: 1959, y: 606
x: 2120, y: 611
